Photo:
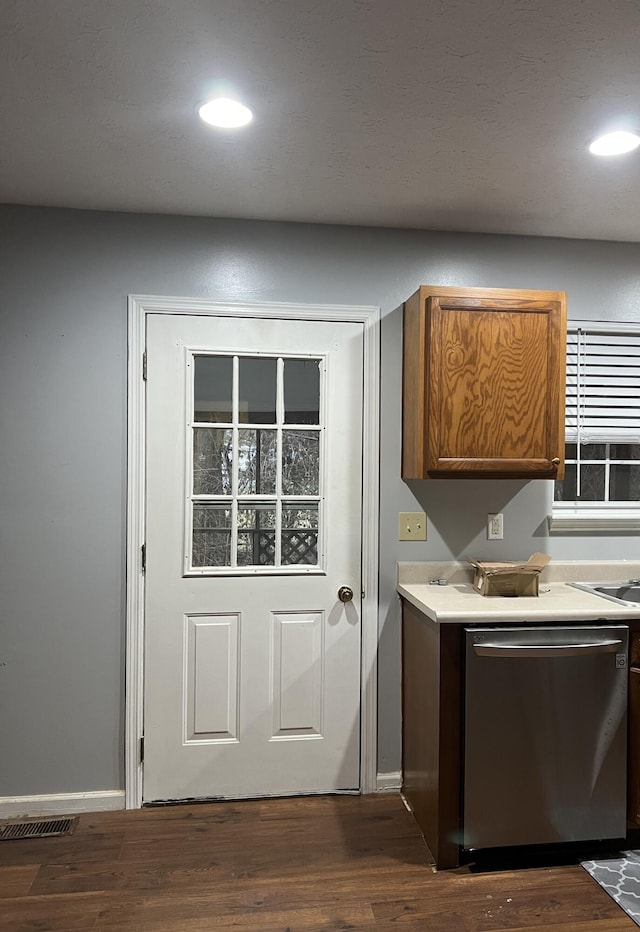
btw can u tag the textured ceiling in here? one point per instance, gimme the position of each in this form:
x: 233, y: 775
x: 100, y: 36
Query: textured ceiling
x: 437, y: 114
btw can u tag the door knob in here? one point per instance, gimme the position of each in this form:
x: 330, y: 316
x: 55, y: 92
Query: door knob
x: 556, y: 460
x: 345, y: 594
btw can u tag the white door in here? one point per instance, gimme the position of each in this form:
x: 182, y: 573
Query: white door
x: 254, y: 490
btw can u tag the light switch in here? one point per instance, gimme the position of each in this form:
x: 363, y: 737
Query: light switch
x: 412, y: 525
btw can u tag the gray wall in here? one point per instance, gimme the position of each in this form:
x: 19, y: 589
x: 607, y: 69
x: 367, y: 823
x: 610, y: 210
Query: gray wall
x: 63, y: 289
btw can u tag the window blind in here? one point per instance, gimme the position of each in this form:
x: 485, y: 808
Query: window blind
x: 603, y: 383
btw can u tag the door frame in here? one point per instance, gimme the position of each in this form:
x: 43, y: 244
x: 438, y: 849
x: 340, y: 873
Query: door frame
x: 139, y: 306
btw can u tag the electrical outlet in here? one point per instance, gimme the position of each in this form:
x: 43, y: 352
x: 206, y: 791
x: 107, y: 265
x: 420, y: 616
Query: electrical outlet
x: 412, y: 525
x: 495, y: 526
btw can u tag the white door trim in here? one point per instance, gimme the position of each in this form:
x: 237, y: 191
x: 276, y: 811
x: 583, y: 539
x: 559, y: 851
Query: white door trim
x: 138, y: 308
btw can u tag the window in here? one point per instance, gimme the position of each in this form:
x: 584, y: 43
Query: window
x: 254, y: 496
x: 601, y: 488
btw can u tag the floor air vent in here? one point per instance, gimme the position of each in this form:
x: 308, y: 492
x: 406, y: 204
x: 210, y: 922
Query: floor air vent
x: 36, y: 828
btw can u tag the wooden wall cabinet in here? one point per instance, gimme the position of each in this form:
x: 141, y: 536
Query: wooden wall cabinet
x: 483, y: 383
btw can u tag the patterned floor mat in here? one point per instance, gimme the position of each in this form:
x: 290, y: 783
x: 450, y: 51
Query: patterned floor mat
x: 619, y: 875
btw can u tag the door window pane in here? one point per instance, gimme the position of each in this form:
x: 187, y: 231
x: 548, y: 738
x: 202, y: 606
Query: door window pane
x: 299, y: 542
x: 301, y: 391
x: 300, y: 462
x: 211, y: 535
x: 300, y: 515
x: 212, y: 388
x: 212, y: 460
x: 248, y: 477
x: 257, y: 461
x: 256, y: 535
x: 258, y: 390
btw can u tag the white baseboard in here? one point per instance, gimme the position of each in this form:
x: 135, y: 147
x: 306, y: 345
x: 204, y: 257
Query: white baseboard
x: 389, y: 782
x: 16, y: 807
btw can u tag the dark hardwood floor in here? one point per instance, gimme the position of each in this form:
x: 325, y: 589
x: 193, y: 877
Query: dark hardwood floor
x: 325, y: 863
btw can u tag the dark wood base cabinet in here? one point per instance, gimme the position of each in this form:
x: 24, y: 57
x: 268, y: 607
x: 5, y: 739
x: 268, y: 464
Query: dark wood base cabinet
x: 432, y: 714
x: 432, y: 730
x: 633, y: 796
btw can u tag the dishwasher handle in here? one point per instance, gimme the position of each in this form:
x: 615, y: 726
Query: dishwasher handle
x: 609, y: 646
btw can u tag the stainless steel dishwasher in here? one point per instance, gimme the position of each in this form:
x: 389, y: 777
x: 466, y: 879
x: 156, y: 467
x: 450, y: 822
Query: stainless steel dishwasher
x: 545, y: 734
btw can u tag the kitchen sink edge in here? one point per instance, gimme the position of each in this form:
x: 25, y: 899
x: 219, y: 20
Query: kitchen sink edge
x: 626, y: 592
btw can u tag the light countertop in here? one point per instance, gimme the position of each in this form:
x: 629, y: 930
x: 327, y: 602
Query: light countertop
x: 459, y: 602
x: 556, y: 602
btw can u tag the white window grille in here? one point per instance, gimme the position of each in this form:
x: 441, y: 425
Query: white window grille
x: 254, y: 473
x: 601, y: 488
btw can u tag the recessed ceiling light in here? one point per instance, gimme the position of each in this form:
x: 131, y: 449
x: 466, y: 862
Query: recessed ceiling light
x: 615, y: 143
x: 226, y: 113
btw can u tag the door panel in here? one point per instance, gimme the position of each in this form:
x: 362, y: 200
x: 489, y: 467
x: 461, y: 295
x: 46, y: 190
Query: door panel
x: 297, y: 684
x: 211, y: 677
x: 254, y: 487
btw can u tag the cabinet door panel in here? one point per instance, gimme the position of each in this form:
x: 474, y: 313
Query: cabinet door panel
x: 483, y: 383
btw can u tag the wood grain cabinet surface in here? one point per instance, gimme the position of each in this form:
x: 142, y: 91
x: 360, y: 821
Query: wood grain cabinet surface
x: 483, y: 383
